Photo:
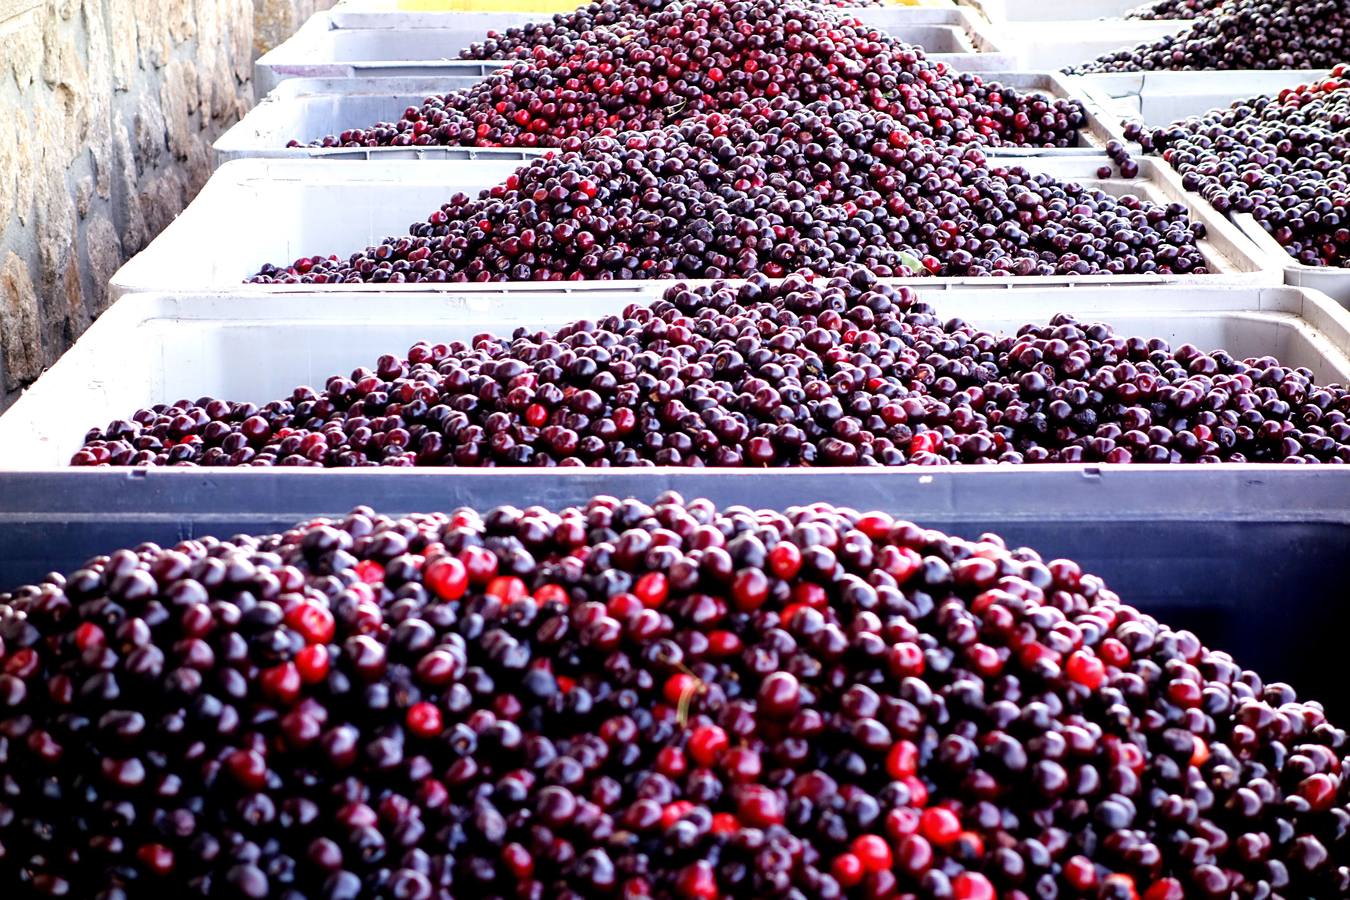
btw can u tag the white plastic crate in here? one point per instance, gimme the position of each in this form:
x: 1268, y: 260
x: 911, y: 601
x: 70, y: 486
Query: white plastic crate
x: 258, y: 211
x: 1051, y: 10
x: 1160, y: 98
x: 1331, y: 280
x: 956, y: 36
x: 152, y: 348
x: 1059, y: 44
x: 307, y: 109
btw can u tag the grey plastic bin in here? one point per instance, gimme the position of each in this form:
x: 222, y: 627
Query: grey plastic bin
x: 1252, y: 560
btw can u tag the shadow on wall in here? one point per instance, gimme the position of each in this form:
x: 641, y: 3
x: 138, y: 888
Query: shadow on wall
x: 108, y: 109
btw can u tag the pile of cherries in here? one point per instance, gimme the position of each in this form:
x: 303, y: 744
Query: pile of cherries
x: 563, y: 31
x: 519, y: 42
x: 1284, y: 159
x: 1244, y: 34
x: 1173, y: 9
x: 797, y: 373
x: 780, y: 186
x: 606, y: 69
x: 633, y: 701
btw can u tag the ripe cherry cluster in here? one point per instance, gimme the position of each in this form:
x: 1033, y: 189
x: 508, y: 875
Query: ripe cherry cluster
x: 597, y: 72
x: 1173, y: 9
x: 849, y: 372
x: 1244, y: 34
x: 777, y: 187
x: 1284, y: 159
x: 633, y: 701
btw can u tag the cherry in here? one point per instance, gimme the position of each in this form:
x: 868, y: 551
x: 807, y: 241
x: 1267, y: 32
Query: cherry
x: 872, y: 852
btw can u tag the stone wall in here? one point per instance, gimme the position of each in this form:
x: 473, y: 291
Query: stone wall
x: 108, y: 109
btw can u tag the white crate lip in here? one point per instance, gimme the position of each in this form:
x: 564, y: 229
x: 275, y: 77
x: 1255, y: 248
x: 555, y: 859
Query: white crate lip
x: 324, y: 106
x: 1160, y: 98
x: 258, y: 199
x: 318, y: 49
x: 1052, y: 10
x: 1331, y: 280
x: 1059, y: 44
x: 154, y: 348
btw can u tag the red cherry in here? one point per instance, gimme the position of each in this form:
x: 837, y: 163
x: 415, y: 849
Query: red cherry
x: 1200, y: 755
x: 369, y: 571
x: 876, y: 525
x: 507, y: 588
x: 1081, y: 873
x: 1319, y: 790
x: 551, y: 593
x: 519, y: 861
x: 1121, y: 884
x: 872, y: 851
x: 905, y: 659
x: 899, y: 562
x: 968, y: 845
x: 749, y: 590
x: 424, y: 719
x: 724, y: 643
x: 759, y: 806
x: 670, y: 761
x: 1085, y: 669
x: 248, y: 768
x: 651, y: 589
x: 915, y: 855
x: 697, y: 881
x: 88, y: 635
x: 725, y: 823
x: 742, y: 764
x: 902, y: 760
x: 847, y: 869
x: 810, y: 594
x: 446, y: 577
x: 918, y: 791
x: 901, y: 822
x: 972, y: 886
x: 536, y: 415
x: 706, y: 742
x: 313, y: 622
x: 156, y: 858
x: 1165, y: 889
x: 674, y: 812
x: 281, y: 682
x: 1114, y: 653
x: 480, y: 564
x: 785, y: 559
x: 312, y: 663
x: 679, y: 688
x: 939, y: 825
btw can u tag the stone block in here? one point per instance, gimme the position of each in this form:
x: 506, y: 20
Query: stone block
x: 20, y: 340
x: 123, y: 41
x: 84, y: 195
x: 104, y: 250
